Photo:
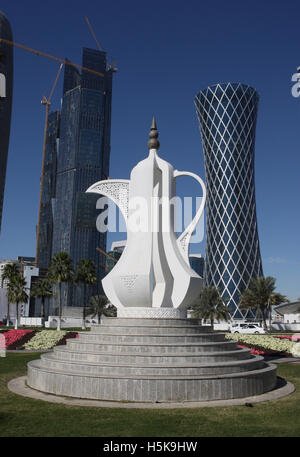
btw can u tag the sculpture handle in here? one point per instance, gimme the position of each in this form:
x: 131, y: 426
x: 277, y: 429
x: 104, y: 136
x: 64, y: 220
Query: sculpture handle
x: 183, y: 240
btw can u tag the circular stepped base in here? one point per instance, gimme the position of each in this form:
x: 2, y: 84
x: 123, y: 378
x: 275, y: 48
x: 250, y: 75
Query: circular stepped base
x: 149, y: 360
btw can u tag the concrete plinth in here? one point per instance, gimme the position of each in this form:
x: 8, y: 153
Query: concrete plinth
x: 150, y: 360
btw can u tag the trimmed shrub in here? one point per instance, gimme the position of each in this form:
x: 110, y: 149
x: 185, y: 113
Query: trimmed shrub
x: 47, y: 339
x: 263, y: 343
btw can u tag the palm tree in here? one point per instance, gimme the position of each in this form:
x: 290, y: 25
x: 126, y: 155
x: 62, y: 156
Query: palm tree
x: 17, y: 293
x: 210, y: 305
x: 60, y: 271
x: 260, y: 295
x: 99, y: 306
x: 10, y: 271
x: 10, y: 299
x: 85, y: 275
x: 42, y: 289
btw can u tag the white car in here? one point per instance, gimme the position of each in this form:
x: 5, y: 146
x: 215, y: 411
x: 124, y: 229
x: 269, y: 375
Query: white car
x: 247, y: 328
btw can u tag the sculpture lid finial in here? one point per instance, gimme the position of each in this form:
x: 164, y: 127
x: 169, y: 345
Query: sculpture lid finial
x: 153, y: 143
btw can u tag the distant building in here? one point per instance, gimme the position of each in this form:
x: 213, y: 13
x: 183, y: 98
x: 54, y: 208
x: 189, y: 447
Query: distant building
x: 227, y: 116
x: 115, y: 252
x: 29, y: 271
x: 197, y: 263
x: 3, y: 263
x: 110, y: 263
x: 289, y: 313
x: 6, y: 73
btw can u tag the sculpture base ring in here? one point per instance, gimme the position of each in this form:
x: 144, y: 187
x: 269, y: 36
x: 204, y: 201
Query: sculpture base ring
x: 154, y: 313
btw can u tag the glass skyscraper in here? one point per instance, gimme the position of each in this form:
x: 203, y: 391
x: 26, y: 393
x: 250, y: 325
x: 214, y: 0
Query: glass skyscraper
x: 47, y: 205
x: 82, y: 158
x: 197, y: 263
x: 227, y: 116
x: 6, y: 74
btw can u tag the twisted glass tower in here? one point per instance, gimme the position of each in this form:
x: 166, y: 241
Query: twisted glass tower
x: 227, y: 116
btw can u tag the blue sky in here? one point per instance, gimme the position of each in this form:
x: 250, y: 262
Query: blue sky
x: 166, y: 51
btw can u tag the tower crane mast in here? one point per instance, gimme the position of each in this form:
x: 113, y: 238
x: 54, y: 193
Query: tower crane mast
x: 47, y: 102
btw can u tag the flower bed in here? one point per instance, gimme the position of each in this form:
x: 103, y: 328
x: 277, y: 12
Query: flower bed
x: 264, y: 344
x: 296, y: 350
x: 67, y: 336
x: 17, y: 338
x: 47, y: 339
x: 258, y: 351
x: 288, y: 337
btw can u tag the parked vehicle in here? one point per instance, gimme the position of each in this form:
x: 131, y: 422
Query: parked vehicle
x: 246, y: 328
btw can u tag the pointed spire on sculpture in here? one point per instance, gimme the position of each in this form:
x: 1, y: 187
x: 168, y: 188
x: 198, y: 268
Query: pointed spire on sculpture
x: 153, y: 143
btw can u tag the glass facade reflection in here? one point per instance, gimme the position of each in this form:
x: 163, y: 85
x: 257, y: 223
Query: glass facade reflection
x: 44, y: 250
x: 110, y: 263
x: 227, y: 116
x: 81, y: 159
x: 197, y: 263
x: 6, y: 69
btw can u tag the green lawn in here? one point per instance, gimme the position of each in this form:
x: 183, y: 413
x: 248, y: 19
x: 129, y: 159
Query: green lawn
x: 25, y: 417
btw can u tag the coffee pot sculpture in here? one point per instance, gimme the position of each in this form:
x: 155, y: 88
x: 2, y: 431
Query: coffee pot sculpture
x: 153, y: 277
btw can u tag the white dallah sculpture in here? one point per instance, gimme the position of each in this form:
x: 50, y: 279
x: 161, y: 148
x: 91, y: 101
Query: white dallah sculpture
x: 153, y: 277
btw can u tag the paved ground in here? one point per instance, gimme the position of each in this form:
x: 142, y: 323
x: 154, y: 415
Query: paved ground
x: 281, y: 359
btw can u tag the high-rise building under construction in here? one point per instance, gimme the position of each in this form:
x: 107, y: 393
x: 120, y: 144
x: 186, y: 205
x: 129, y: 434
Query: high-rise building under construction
x: 77, y: 155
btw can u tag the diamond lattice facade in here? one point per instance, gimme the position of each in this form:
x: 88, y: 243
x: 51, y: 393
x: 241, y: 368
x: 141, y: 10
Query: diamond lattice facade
x: 227, y: 116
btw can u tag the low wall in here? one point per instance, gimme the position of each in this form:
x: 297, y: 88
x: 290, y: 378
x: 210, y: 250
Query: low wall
x: 283, y: 326
x: 67, y: 322
x: 32, y: 321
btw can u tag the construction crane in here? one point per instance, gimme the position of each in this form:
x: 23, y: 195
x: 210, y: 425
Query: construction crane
x: 107, y: 255
x: 93, y: 33
x: 46, y: 102
x: 49, y: 56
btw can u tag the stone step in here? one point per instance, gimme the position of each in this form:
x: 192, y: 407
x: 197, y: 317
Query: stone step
x: 150, y: 329
x: 138, y: 358
x: 49, y: 360
x: 163, y: 349
x: 151, y: 388
x: 101, y: 338
x: 130, y: 359
x: 138, y: 322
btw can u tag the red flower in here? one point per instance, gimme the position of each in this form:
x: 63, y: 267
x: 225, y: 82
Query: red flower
x: 14, y: 337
